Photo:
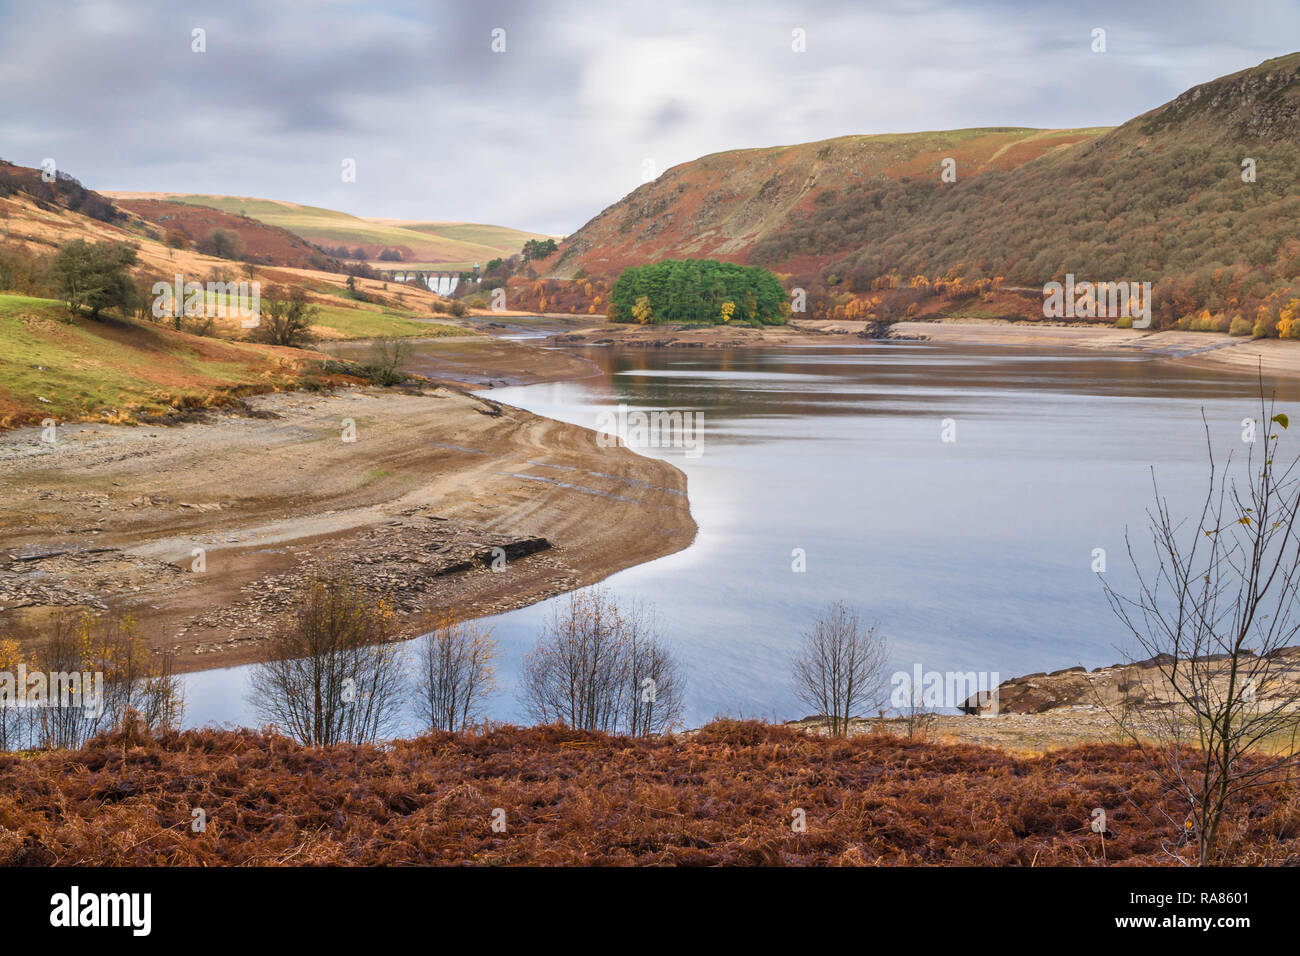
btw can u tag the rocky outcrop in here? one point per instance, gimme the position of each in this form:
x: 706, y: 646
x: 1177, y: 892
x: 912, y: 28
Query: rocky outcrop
x: 1141, y: 685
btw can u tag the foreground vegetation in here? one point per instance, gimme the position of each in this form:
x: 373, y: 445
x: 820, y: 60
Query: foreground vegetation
x: 730, y: 793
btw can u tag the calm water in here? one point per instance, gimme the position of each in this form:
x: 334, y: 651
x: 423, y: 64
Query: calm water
x: 972, y: 555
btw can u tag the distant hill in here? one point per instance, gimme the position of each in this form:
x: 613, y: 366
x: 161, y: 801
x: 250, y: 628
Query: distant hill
x: 724, y: 204
x: 257, y: 241
x: 45, y: 212
x: 441, y: 245
x: 1160, y: 199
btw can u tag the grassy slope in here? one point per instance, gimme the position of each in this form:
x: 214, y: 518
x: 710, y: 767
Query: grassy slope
x: 363, y: 323
x: 82, y: 370
x: 115, y: 369
x: 112, y: 370
x: 449, y: 245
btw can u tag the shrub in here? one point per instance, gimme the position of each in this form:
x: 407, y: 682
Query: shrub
x: 286, y: 317
x: 601, y: 667
x: 386, y: 357
x: 334, y: 675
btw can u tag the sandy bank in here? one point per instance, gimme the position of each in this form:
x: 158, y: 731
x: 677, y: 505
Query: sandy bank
x: 112, y: 516
x: 1212, y: 350
x: 480, y: 361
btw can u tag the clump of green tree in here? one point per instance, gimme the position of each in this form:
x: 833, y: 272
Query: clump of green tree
x: 698, y: 290
x: 94, y: 276
x: 536, y: 249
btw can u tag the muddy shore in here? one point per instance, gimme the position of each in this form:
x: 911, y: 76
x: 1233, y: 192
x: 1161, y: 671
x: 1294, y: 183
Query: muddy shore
x: 438, y: 483
x: 204, y: 531
x: 1211, y: 350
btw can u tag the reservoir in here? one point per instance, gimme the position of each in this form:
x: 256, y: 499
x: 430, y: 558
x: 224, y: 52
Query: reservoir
x: 959, y: 496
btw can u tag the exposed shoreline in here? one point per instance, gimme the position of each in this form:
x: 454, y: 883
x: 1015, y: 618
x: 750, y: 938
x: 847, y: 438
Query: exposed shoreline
x: 1209, y: 350
x: 435, y: 479
x: 440, y: 476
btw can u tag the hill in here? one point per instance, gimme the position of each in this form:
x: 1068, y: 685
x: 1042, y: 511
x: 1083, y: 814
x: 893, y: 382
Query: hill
x: 112, y: 370
x: 129, y: 364
x: 256, y: 242
x: 868, y: 226
x: 726, y: 794
x: 433, y: 245
x: 722, y: 205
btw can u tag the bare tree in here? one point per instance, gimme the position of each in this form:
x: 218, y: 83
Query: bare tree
x: 917, y: 717
x: 285, y: 318
x: 387, y: 355
x: 601, y: 667
x: 334, y: 674
x: 455, y: 676
x: 657, y: 686
x: 841, y: 668
x: 1217, y: 702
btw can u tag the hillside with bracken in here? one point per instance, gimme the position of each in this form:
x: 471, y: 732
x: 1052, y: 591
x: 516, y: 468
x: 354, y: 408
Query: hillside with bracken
x: 731, y: 793
x: 721, y: 206
x: 1198, y: 196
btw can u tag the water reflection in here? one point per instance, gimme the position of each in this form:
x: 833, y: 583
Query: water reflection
x: 972, y: 555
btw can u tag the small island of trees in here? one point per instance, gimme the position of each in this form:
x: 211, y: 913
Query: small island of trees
x: 698, y: 290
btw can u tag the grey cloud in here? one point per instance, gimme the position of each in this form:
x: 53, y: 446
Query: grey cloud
x: 550, y: 132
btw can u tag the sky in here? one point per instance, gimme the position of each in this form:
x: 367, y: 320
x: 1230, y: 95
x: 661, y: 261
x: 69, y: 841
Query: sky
x: 578, y: 101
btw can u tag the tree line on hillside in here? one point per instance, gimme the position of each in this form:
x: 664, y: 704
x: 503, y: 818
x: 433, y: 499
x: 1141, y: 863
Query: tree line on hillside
x: 698, y: 290
x: 1221, y: 252
x: 95, y: 278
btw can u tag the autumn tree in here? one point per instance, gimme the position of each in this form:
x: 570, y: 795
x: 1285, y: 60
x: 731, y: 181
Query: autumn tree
x: 840, y: 670
x: 1214, y: 613
x: 599, y: 666
x: 642, y: 311
x: 455, y: 677
x: 133, y: 680
x: 333, y: 674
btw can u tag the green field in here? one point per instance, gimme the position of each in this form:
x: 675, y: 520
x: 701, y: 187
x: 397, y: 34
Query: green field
x: 365, y: 323
x: 349, y: 321
x: 54, y: 366
x: 75, y: 369
x: 433, y: 245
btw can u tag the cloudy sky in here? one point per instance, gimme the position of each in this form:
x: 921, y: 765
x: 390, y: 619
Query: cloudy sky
x: 560, y: 124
